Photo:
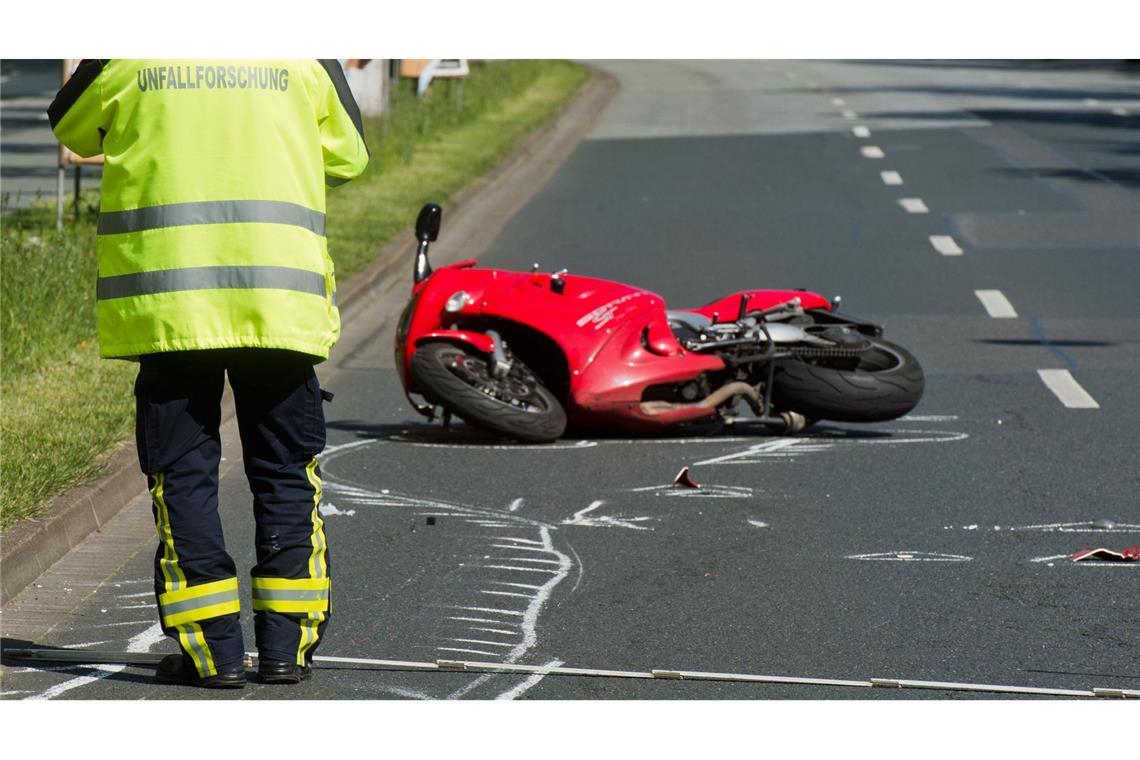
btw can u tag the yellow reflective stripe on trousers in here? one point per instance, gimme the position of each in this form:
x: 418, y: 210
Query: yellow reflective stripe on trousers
x: 190, y: 636
x: 318, y: 567
x: 201, y: 602
x: 173, y: 577
x: 291, y: 595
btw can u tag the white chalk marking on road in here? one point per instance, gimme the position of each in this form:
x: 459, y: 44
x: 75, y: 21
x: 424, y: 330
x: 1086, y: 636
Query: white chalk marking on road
x: 523, y: 687
x: 504, y: 593
x: 704, y: 492
x: 605, y: 521
x: 1067, y: 389
x: 345, y: 446
x: 872, y: 151
x: 141, y: 642
x: 1092, y: 102
x: 514, y: 507
x: 911, y: 556
x: 400, y: 691
x: 677, y: 441
x: 519, y: 540
x: 1050, y: 559
x: 484, y: 609
x: 561, y: 446
x: 148, y: 606
x: 760, y: 448
x: 1079, y: 527
x: 517, y: 569
x: 519, y: 548
x: 891, y: 178
x: 530, y: 618
x: 945, y: 245
x: 837, y: 102
x: 480, y: 641
x: 89, y: 644
x: 850, y: 115
x: 997, y: 305
x: 861, y: 131
x: 929, y: 418
x: 127, y: 622
x: 759, y: 523
x: 135, y: 596
x: 492, y: 630
x: 526, y: 559
x: 1120, y: 111
x: 473, y: 619
x: 528, y: 586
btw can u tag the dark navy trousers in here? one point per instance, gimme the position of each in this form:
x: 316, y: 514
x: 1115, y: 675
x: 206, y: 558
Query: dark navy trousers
x: 282, y: 428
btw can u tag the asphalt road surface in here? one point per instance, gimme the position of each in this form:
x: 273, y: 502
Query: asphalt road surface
x: 934, y: 547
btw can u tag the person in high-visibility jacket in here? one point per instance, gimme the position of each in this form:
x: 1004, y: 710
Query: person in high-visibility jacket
x: 213, y: 259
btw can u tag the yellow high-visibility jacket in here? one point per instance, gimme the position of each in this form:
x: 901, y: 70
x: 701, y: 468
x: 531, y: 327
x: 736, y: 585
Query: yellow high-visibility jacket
x: 211, y: 228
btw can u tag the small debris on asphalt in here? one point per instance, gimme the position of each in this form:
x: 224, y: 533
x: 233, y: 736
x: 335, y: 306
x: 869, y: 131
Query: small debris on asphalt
x: 1131, y: 554
x: 430, y: 521
x: 683, y: 480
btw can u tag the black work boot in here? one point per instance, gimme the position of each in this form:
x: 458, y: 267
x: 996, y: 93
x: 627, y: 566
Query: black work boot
x: 177, y: 669
x: 278, y: 671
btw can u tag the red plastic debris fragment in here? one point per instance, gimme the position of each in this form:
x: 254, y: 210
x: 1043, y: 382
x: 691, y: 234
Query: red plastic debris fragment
x: 684, y: 480
x: 1131, y: 554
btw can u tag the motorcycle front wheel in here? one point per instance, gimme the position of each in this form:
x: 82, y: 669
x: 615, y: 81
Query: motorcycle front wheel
x: 886, y: 383
x: 460, y: 380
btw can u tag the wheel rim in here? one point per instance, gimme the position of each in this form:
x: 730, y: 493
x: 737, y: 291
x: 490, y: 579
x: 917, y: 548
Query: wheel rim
x: 519, y: 389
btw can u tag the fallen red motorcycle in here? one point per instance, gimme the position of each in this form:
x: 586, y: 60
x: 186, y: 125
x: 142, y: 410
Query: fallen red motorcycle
x: 527, y: 354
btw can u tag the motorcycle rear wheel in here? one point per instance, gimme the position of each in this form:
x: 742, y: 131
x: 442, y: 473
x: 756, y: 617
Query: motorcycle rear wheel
x: 887, y: 383
x: 460, y: 380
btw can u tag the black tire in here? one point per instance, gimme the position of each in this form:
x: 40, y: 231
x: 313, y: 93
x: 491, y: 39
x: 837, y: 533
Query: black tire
x: 886, y: 384
x: 459, y: 380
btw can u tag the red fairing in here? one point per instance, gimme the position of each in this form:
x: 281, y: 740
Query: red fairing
x: 609, y: 392
x: 615, y: 338
x: 727, y: 308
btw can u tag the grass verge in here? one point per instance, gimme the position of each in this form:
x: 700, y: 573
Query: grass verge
x: 62, y: 408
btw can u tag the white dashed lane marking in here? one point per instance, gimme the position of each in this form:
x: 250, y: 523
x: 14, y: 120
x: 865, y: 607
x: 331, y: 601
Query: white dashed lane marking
x: 1067, y: 389
x: 891, y: 178
x: 997, y: 305
x: 872, y: 151
x: 838, y: 102
x: 850, y: 115
x: 914, y: 205
x: 945, y: 245
x: 860, y: 131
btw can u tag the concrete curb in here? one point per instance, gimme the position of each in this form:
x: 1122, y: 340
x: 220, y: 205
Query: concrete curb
x: 28, y: 549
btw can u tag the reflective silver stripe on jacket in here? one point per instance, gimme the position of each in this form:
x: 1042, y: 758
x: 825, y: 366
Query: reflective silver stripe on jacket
x: 211, y: 278
x: 210, y: 212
